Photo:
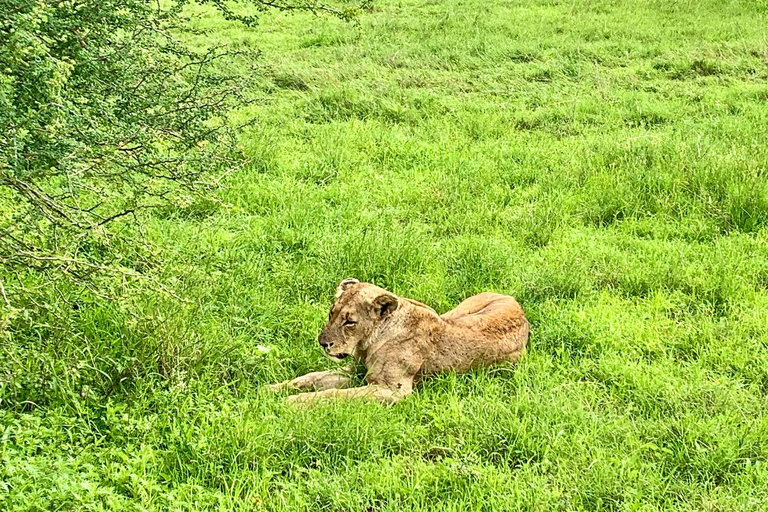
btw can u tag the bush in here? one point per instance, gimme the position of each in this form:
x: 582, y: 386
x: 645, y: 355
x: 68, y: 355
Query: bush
x: 105, y: 114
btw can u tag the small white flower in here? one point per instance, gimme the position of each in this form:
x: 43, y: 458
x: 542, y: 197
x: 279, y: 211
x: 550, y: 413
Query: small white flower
x: 263, y: 349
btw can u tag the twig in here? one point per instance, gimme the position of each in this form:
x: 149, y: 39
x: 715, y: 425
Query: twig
x: 115, y: 216
x: 124, y: 272
x: 312, y: 8
x: 5, y: 297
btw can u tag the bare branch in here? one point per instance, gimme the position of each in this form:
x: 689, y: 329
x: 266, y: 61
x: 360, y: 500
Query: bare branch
x: 5, y: 297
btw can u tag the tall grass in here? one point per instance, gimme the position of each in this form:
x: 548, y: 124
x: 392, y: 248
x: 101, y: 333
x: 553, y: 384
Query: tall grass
x: 604, y: 161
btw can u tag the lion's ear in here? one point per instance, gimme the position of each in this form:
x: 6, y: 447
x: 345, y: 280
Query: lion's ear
x: 344, y: 285
x: 385, y: 304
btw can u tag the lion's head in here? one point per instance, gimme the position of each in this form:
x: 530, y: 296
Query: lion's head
x: 359, y: 308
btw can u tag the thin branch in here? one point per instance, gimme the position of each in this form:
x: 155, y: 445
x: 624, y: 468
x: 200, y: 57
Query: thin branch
x: 5, y: 297
x: 115, y: 216
x: 112, y: 270
x: 312, y: 8
x: 36, y: 195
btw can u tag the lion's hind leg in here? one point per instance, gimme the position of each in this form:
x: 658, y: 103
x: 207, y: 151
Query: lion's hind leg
x: 471, y: 306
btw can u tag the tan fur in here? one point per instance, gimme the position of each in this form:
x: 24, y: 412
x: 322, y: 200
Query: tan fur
x: 401, y: 340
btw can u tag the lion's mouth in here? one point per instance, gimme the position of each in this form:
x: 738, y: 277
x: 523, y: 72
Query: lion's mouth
x: 337, y: 357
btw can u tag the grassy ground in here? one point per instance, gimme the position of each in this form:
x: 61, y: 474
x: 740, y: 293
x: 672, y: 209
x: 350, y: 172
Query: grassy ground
x: 603, y: 161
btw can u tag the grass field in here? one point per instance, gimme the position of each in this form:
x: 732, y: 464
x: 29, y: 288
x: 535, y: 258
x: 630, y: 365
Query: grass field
x: 606, y: 162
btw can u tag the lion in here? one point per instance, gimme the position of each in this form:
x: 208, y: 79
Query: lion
x: 400, y: 341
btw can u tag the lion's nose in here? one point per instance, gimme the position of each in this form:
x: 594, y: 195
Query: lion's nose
x: 325, y: 344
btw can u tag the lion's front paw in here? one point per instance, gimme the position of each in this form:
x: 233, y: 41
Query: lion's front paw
x: 302, y: 399
x: 280, y: 386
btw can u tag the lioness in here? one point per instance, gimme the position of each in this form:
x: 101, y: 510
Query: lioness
x: 401, y: 340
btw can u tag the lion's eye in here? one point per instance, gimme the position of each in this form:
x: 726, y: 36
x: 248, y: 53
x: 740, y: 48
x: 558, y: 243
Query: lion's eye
x: 349, y: 322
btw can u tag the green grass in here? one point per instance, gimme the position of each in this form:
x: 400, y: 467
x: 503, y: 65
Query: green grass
x: 606, y: 162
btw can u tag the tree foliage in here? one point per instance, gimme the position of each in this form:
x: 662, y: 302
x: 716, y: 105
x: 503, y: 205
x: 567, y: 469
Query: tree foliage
x: 105, y: 114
